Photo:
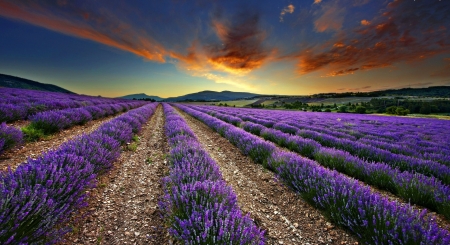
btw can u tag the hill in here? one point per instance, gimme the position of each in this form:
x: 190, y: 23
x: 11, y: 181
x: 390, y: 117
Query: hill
x: 141, y: 96
x: 17, y: 82
x: 212, y: 96
x: 436, y: 91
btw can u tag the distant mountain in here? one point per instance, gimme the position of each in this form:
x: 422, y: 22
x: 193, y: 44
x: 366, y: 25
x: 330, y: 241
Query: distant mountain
x: 17, y: 82
x: 141, y: 96
x: 436, y: 91
x: 213, y: 96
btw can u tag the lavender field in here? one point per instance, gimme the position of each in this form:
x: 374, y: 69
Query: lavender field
x: 158, y: 173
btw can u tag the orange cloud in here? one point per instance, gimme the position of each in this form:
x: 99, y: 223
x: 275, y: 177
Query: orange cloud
x: 339, y: 45
x: 317, y: 1
x: 341, y: 72
x: 129, y: 40
x: 365, y: 22
x: 289, y: 9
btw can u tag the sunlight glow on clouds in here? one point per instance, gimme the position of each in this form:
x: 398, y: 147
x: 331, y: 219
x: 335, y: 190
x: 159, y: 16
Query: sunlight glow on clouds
x: 226, y: 44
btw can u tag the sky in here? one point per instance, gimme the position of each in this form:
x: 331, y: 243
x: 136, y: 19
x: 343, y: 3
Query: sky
x: 174, y: 47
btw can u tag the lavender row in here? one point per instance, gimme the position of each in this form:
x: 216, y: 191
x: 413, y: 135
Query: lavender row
x: 19, y: 104
x: 198, y: 205
x: 371, y: 153
x: 412, y: 187
x: 49, y: 122
x: 41, y: 194
x: 415, y: 188
x: 373, y: 218
x: 401, y: 142
x: 364, y: 145
x: 10, y: 137
x: 429, y: 135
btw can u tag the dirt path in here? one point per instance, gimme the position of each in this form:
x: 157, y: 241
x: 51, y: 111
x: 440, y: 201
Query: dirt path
x: 286, y: 218
x: 14, y: 157
x: 124, y: 207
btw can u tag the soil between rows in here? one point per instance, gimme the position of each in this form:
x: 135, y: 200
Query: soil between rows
x: 123, y: 209
x: 14, y: 157
x: 286, y: 218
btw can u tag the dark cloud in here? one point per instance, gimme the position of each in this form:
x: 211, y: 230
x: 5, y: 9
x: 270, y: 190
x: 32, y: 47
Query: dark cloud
x: 241, y: 42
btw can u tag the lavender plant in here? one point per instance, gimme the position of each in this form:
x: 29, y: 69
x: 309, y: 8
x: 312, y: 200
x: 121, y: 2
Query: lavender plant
x: 10, y: 137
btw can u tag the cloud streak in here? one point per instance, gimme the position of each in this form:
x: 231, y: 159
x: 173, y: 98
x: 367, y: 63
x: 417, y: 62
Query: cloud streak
x: 84, y: 24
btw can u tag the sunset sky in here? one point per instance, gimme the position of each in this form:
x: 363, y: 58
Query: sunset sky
x: 171, y: 48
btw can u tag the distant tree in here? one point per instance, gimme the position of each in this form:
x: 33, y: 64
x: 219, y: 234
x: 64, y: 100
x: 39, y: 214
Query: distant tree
x: 360, y: 109
x: 342, y: 109
x: 327, y: 110
x: 391, y: 110
x: 402, y: 112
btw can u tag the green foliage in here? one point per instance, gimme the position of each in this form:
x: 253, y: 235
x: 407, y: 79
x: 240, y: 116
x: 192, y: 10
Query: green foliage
x: 148, y: 161
x: 32, y: 134
x: 295, y: 105
x: 342, y: 109
x: 135, y: 138
x: 132, y: 146
x: 397, y: 110
x: 360, y: 109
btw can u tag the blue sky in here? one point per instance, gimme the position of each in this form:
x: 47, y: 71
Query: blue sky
x: 170, y: 48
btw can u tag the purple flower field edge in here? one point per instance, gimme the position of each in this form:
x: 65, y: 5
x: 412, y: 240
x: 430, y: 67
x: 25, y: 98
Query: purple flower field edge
x: 40, y: 195
x: 18, y: 104
x: 56, y: 120
x: 198, y: 205
x: 414, y: 188
x: 49, y: 122
x: 373, y: 218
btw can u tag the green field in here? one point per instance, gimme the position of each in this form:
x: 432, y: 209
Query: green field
x: 237, y: 103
